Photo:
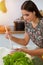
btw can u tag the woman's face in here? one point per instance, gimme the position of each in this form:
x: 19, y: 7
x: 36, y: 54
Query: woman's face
x: 28, y: 16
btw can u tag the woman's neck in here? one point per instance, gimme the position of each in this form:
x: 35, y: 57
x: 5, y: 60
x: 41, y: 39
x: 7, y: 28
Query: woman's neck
x: 35, y: 22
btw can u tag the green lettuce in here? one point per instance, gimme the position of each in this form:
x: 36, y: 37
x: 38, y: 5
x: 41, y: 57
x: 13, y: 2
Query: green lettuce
x: 17, y: 58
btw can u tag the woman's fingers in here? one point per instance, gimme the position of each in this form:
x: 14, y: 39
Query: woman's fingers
x: 7, y: 34
x: 14, y: 50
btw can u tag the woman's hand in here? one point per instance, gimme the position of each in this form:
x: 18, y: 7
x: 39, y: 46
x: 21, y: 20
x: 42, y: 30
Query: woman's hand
x: 14, y: 50
x: 18, y: 49
x: 7, y: 34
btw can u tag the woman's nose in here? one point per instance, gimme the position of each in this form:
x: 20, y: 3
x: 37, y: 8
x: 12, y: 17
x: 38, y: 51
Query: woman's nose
x: 25, y: 18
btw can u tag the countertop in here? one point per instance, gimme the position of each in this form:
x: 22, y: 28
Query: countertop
x: 14, y: 32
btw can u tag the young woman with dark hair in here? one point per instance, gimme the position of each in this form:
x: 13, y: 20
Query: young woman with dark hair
x: 33, y: 28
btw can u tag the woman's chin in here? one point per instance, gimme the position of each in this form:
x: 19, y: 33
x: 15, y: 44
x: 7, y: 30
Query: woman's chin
x: 28, y: 21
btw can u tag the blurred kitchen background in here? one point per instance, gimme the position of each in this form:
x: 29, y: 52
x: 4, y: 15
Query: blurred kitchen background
x: 11, y: 17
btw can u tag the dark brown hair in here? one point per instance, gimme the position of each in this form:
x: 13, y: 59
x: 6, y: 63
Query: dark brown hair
x: 31, y: 6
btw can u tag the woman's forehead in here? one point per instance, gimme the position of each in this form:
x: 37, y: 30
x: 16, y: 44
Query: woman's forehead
x: 25, y: 12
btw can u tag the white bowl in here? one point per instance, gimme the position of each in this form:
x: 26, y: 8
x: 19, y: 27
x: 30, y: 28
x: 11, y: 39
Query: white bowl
x: 3, y: 52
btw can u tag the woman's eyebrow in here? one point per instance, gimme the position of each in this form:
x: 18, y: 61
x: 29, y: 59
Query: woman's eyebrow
x: 25, y: 14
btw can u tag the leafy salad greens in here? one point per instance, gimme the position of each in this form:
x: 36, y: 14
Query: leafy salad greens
x: 17, y: 58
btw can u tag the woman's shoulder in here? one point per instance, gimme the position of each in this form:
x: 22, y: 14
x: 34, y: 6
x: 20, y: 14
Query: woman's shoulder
x: 41, y: 22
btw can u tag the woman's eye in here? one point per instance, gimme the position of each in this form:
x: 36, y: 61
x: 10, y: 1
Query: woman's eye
x: 26, y: 15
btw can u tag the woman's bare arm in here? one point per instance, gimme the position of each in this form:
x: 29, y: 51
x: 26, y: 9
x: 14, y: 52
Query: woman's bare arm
x: 36, y: 52
x: 21, y: 41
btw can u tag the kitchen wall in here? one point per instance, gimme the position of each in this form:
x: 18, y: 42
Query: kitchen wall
x: 13, y: 11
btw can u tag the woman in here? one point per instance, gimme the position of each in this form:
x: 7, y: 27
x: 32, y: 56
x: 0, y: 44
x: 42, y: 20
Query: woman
x: 33, y: 28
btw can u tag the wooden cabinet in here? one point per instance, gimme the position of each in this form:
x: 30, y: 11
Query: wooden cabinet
x: 11, y: 29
